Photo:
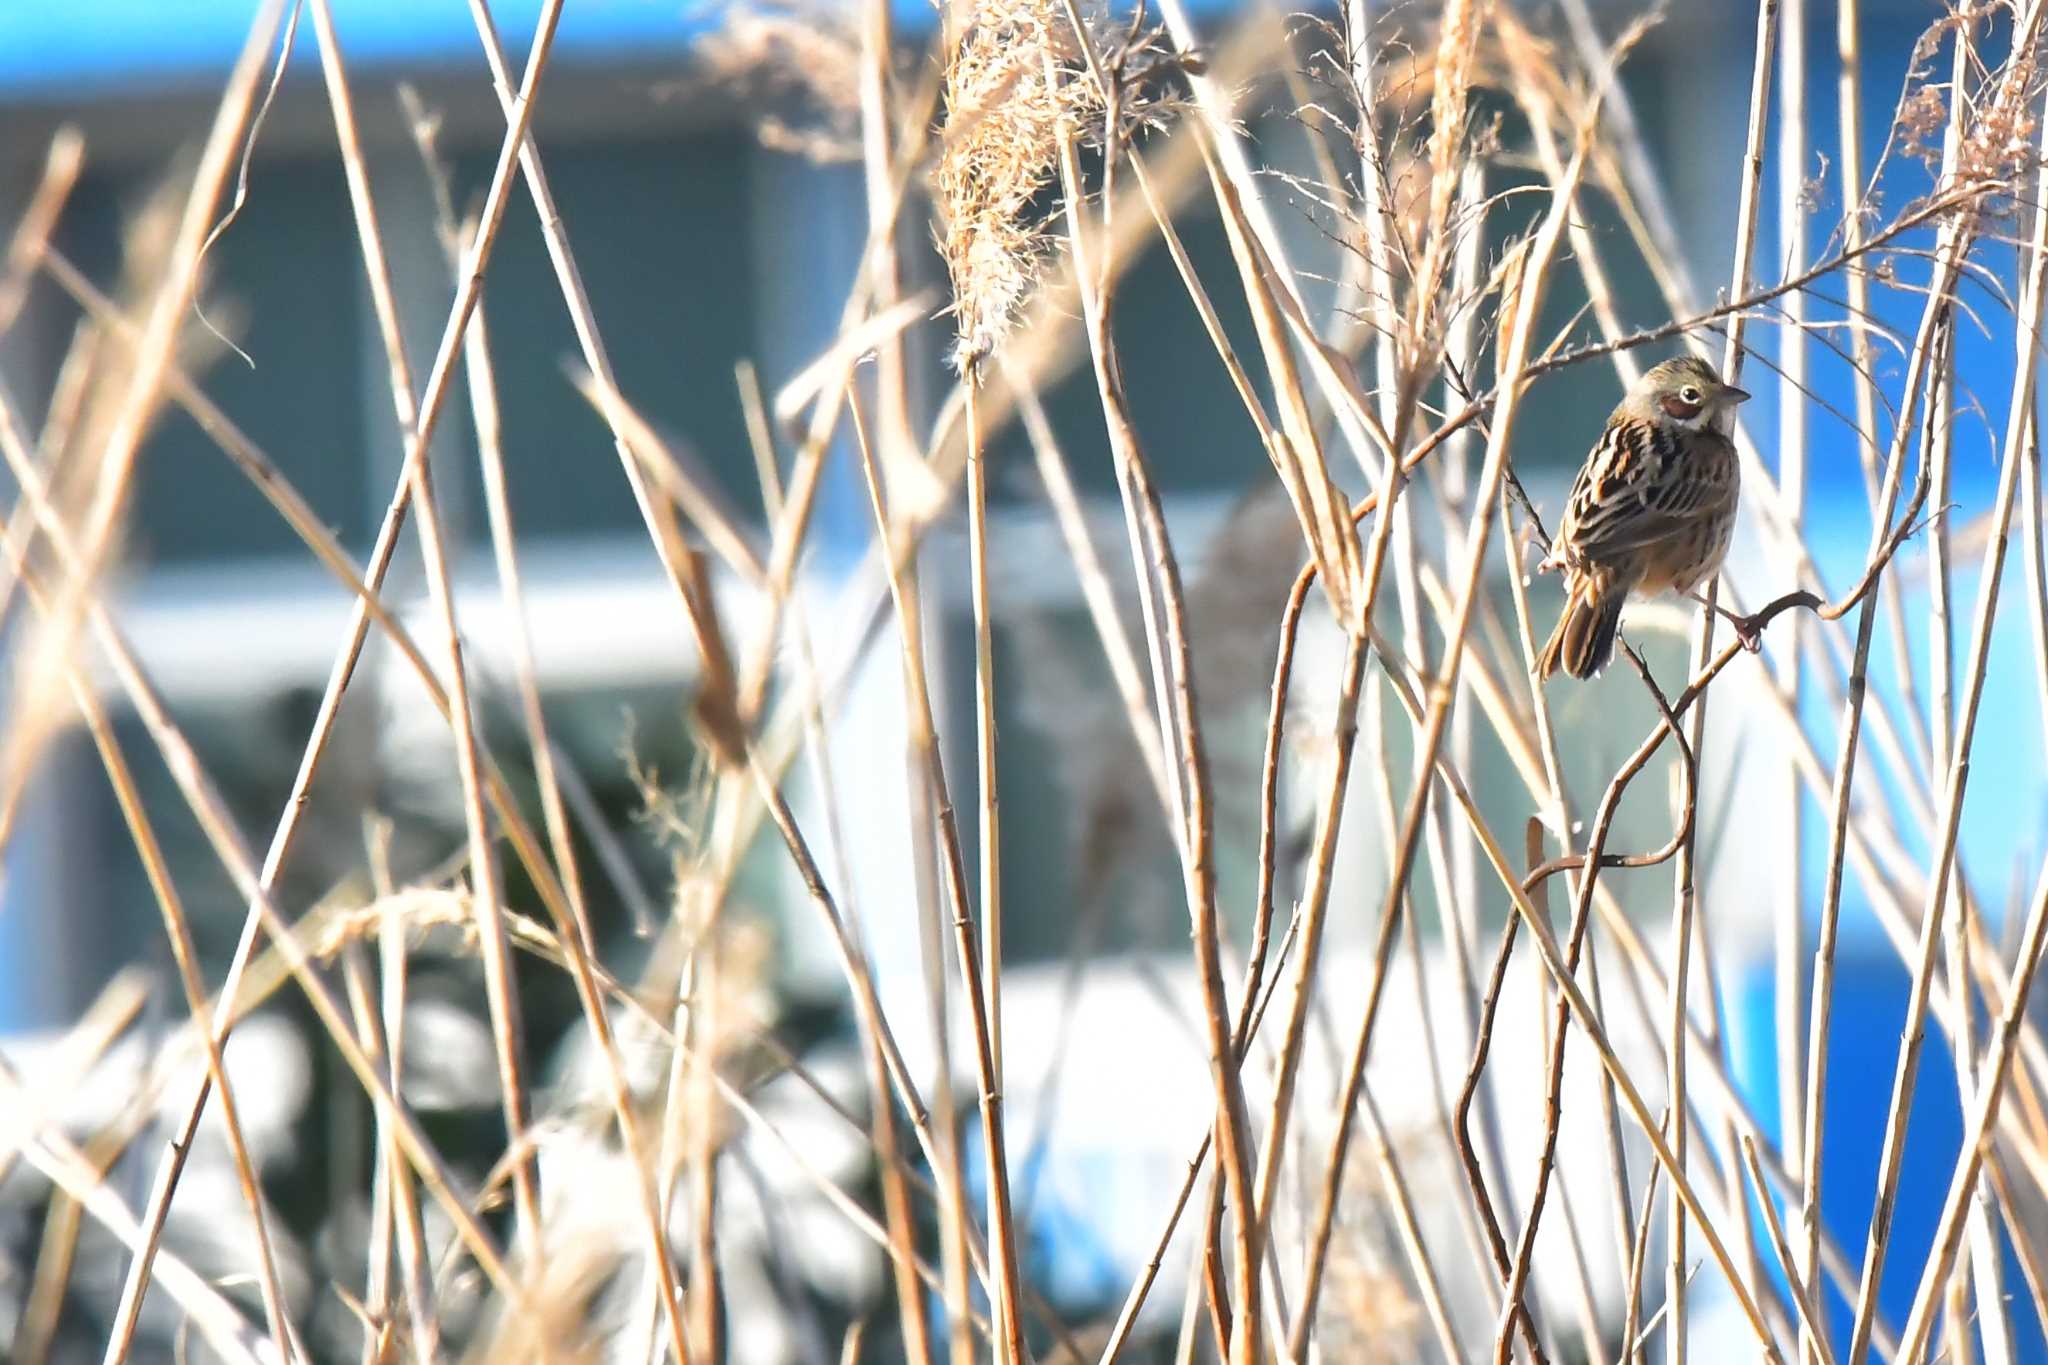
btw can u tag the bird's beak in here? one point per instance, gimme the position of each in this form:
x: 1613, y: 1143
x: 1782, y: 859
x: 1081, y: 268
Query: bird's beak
x: 1731, y: 394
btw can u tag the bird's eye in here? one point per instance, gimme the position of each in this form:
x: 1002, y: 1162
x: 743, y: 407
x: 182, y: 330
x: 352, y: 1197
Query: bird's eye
x: 1690, y: 394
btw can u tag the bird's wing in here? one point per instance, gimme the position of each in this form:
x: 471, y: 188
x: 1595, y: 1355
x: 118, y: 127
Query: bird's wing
x: 1640, y: 486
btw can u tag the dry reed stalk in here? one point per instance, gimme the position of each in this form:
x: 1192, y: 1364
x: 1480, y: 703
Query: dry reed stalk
x: 1215, y: 105
x: 1450, y: 85
x: 918, y: 490
x: 1938, y: 447
x: 866, y: 1002
x: 203, y: 797
x: 1271, y: 286
x: 1448, y: 901
x: 113, y: 466
x: 1520, y: 304
x: 1821, y: 1009
x: 1295, y: 448
x: 1651, y: 218
x: 269, y: 480
x: 1095, y: 587
x: 1297, y: 459
x: 1788, y: 944
x: 26, y: 253
x: 660, y: 469
x: 375, y: 1308
x: 260, y: 470
x: 1638, y: 1258
x: 499, y: 984
x: 219, y: 1324
x: 1526, y: 61
x: 1166, y: 633
x: 25, y: 249
x: 2024, y: 1252
x: 112, y: 1012
x: 1225, y: 154
x: 427, y: 413
x: 1551, y: 794
x: 1958, y: 1203
x: 1684, y: 872
x: 1958, y: 772
x: 1403, y: 1203
x: 877, y: 130
x: 57, y: 1249
x: 898, y: 1211
x: 988, y: 848
x: 1581, y: 1010
x: 693, y: 1119
x: 1315, y: 900
x: 744, y: 806
x: 1004, y: 1284
x: 573, y: 930
x: 1805, y: 1300
x: 178, y: 930
x: 1092, y: 292
x: 1588, y: 866
x: 514, y: 102
x: 1456, y: 896
x: 1582, y: 1278
x: 1529, y: 64
x: 2036, y: 557
x: 897, y: 1214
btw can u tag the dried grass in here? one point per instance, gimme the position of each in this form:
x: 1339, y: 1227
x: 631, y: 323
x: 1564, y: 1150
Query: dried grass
x: 801, y: 65
x: 680, y: 1172
x: 1010, y: 95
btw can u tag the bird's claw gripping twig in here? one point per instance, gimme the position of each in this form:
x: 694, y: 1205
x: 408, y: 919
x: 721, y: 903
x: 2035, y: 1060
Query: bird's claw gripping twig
x: 1749, y: 630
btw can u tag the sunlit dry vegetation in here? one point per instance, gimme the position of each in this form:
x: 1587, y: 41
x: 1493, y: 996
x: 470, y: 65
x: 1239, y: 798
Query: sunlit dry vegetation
x: 1560, y: 1161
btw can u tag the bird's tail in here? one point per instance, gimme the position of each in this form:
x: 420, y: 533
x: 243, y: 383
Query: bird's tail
x: 1584, y: 639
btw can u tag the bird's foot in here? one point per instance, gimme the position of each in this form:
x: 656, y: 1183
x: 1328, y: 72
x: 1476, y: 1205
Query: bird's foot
x: 1749, y: 632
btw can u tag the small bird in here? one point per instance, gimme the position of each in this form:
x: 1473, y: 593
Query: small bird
x: 1652, y: 509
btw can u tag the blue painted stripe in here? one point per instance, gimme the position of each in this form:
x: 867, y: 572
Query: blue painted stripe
x: 105, y: 46
x: 97, y: 47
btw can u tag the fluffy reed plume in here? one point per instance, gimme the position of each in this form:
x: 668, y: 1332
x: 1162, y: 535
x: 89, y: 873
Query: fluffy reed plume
x: 801, y: 63
x: 1009, y: 88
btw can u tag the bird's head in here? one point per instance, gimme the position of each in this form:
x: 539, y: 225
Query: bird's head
x: 1685, y: 392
